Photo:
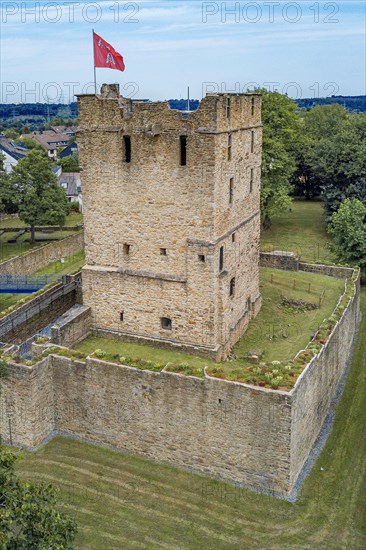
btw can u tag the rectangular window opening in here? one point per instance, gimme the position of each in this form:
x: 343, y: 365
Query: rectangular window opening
x: 127, y: 144
x: 221, y: 259
x: 251, y: 179
x: 202, y: 258
x: 126, y: 249
x: 183, y: 150
x: 166, y: 323
x: 232, y: 286
x: 231, y: 190
x: 229, y: 147
x: 228, y: 107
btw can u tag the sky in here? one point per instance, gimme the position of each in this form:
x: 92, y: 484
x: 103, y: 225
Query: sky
x: 304, y: 48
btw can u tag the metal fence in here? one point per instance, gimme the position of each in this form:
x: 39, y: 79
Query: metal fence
x: 25, y: 284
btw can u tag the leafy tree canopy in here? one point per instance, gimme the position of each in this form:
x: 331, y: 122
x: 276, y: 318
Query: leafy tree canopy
x: 70, y: 164
x: 12, y: 134
x: 41, y: 200
x: 333, y: 155
x: 31, y: 143
x: 9, y: 197
x: 281, y: 131
x: 348, y: 228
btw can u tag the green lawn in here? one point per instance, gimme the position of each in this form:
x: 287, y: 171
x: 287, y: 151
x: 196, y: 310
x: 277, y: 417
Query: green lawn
x: 75, y: 218
x: 301, y: 231
x: 123, y: 502
x: 8, y: 250
x: 277, y: 333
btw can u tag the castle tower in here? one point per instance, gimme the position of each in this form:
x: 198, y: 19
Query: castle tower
x: 171, y: 211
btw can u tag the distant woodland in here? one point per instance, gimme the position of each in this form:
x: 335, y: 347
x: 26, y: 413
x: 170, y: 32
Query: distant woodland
x: 28, y: 117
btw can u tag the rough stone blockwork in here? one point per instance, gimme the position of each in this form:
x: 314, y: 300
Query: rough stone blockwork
x: 36, y: 314
x: 249, y: 436
x: 171, y: 214
x: 41, y: 257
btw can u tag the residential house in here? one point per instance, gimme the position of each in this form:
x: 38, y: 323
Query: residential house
x: 13, y: 152
x: 71, y: 149
x: 71, y: 183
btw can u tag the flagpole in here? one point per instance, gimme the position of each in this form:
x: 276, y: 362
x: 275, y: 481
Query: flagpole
x: 95, y: 70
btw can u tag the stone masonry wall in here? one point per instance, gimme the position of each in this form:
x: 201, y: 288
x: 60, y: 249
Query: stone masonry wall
x: 153, y: 203
x: 73, y: 327
x: 42, y: 256
x: 316, y: 386
x: 243, y: 434
x: 34, y: 315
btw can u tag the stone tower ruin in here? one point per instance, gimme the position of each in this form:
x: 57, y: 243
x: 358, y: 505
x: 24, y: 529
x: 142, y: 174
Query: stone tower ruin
x: 171, y: 206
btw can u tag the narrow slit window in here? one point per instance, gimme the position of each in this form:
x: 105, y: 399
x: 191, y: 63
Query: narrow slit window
x: 228, y: 107
x: 251, y: 179
x: 231, y: 190
x: 232, y: 286
x: 121, y: 315
x: 221, y: 258
x: 183, y: 150
x: 252, y: 142
x: 233, y: 237
x: 127, y: 144
x: 166, y: 323
x: 253, y: 106
x: 229, y: 146
x: 126, y: 249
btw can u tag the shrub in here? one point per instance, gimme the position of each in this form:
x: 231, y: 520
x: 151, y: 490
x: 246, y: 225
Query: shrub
x: 100, y: 354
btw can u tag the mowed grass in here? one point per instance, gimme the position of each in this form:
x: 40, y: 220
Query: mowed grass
x: 74, y: 218
x: 10, y: 250
x: 123, y: 502
x: 302, y: 231
x: 278, y: 332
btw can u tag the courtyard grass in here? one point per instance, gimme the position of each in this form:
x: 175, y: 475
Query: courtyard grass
x: 302, y: 231
x: 124, y: 502
x: 276, y: 334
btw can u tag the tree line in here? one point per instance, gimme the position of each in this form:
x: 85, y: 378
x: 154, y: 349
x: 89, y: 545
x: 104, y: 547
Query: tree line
x: 317, y: 153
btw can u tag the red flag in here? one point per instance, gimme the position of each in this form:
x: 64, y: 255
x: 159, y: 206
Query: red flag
x: 106, y: 56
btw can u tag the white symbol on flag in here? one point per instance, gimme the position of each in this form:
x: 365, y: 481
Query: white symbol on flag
x: 110, y: 59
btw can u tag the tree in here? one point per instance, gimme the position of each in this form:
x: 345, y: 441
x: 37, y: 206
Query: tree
x: 348, y: 228
x: 9, y: 198
x: 12, y: 134
x: 41, y: 200
x: 334, y: 157
x: 281, y: 130
x: 2, y: 161
x: 70, y: 163
x: 31, y: 143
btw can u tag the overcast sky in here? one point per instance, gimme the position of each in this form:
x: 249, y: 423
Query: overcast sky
x: 303, y: 48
